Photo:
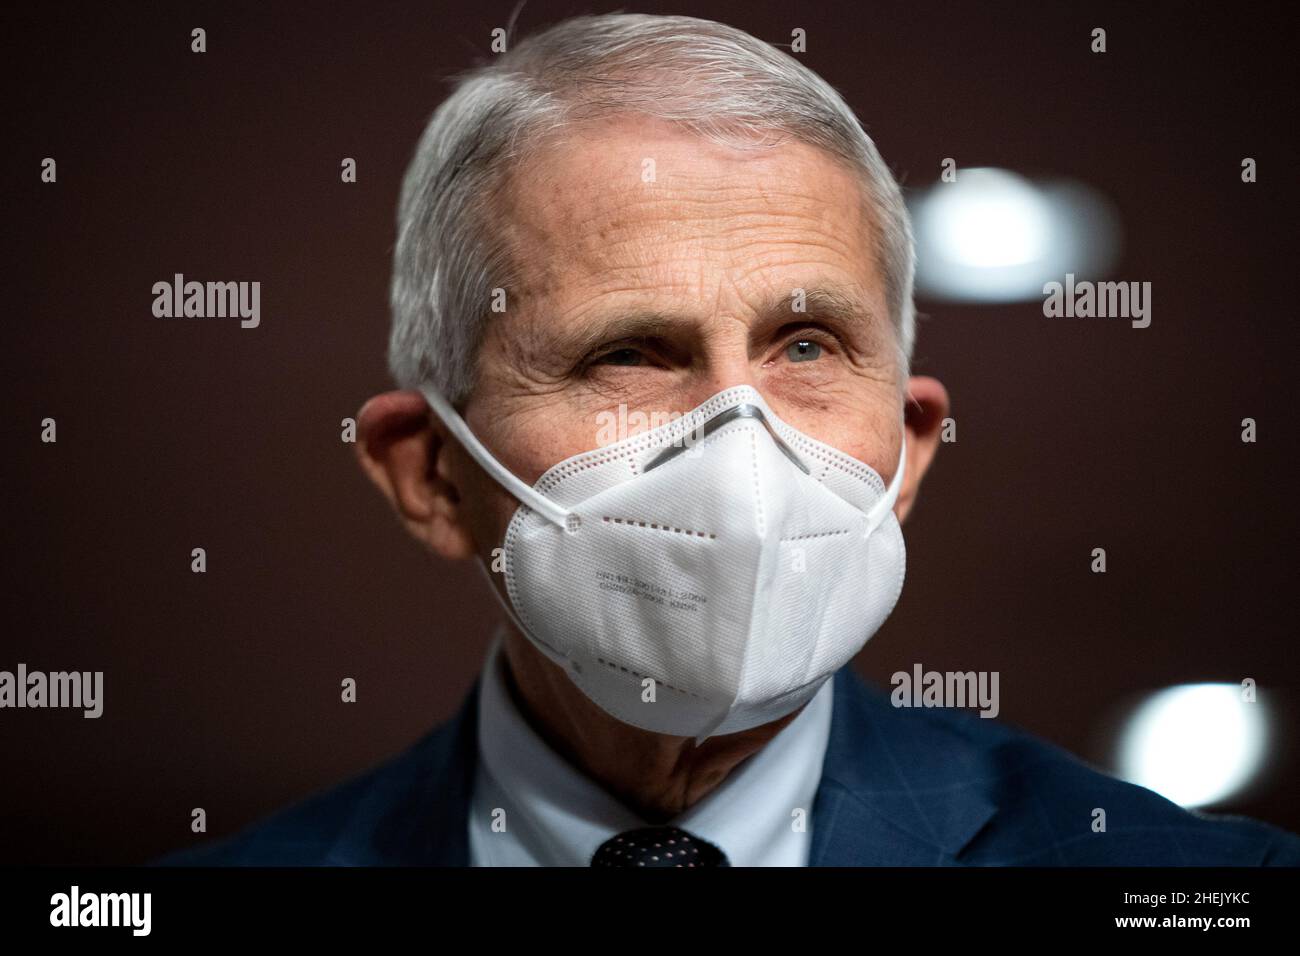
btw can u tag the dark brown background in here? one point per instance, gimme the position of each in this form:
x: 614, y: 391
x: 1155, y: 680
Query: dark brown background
x: 222, y: 689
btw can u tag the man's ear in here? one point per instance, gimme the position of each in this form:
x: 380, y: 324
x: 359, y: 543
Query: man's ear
x: 402, y: 446
x: 927, y: 407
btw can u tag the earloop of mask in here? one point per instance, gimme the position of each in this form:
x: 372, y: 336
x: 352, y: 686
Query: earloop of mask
x: 881, y: 509
x: 529, y: 496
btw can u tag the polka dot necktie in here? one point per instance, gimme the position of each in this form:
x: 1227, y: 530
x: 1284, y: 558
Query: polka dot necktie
x: 658, y: 846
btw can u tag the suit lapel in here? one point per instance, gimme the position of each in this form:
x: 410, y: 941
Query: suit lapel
x: 897, y: 789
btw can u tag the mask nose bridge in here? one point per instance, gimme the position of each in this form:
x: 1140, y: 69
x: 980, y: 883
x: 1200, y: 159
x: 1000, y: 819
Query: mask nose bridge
x: 719, y: 420
x: 751, y: 411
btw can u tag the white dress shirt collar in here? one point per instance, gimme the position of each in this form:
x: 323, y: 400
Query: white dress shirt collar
x: 555, y: 815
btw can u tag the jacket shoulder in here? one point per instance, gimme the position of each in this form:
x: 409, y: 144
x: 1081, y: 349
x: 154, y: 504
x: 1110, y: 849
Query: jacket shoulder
x: 1055, y: 809
x: 404, y: 810
x: 300, y: 834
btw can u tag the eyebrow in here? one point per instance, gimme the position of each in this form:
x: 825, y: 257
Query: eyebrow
x: 630, y: 325
x: 824, y: 303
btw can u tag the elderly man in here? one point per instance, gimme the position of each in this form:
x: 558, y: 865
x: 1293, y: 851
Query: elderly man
x: 652, y: 319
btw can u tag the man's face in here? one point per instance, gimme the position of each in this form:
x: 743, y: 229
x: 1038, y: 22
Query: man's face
x: 658, y: 294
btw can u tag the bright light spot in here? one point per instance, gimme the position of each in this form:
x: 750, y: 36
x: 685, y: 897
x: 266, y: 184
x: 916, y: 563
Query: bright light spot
x: 1195, y: 744
x: 995, y: 236
x: 989, y: 218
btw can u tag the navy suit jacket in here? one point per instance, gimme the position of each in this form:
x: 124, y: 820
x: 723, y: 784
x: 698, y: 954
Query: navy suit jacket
x: 899, y: 787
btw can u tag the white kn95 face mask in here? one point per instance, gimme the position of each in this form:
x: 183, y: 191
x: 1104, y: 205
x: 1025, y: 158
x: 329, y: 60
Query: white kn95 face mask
x: 703, y: 577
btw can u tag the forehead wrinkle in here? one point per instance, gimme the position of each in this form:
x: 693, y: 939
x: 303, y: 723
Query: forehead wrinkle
x: 623, y: 228
x: 554, y: 192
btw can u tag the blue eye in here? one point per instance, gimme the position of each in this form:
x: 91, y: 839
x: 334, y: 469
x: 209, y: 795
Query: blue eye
x: 803, y: 350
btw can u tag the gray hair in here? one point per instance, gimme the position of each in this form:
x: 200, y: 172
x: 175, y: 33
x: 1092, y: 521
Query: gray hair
x: 711, y: 79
